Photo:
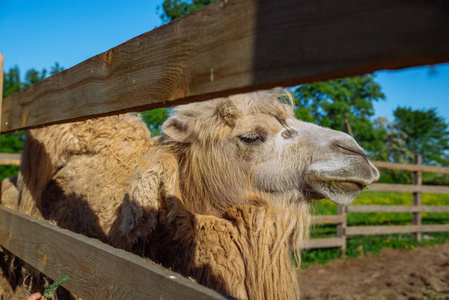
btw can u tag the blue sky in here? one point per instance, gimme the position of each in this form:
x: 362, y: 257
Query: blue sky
x: 36, y: 34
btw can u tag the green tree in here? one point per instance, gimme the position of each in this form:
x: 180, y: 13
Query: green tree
x: 11, y: 81
x: 393, y: 149
x: 13, y: 142
x: 394, y: 145
x: 427, y: 133
x: 56, y: 69
x: 173, y: 9
x: 154, y: 119
x: 343, y: 104
x: 33, y: 76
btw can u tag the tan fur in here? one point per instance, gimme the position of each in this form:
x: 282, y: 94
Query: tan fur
x: 223, y: 196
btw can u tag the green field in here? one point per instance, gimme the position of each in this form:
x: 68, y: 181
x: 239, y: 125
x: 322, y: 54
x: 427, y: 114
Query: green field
x: 357, y: 245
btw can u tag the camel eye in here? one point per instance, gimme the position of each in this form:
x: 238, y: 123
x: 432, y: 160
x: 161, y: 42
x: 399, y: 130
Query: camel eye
x: 251, y: 139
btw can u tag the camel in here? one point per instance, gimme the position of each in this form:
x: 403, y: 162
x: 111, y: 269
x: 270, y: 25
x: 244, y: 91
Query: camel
x: 223, y: 196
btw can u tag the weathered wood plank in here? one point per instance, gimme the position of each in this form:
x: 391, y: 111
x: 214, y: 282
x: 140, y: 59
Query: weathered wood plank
x: 238, y: 46
x: 370, y: 230
x: 97, y: 271
x: 398, y: 208
x: 326, y: 243
x: 409, y: 188
x: 329, y: 219
x: 411, y: 167
x: 9, y: 159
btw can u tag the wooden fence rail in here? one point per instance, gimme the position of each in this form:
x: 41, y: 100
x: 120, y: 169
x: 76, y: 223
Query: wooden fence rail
x: 238, y: 46
x: 90, y: 264
x: 9, y: 159
x: 416, y: 209
x: 228, y: 47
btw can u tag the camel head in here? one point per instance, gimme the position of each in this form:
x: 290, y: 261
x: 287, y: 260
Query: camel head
x: 250, y: 148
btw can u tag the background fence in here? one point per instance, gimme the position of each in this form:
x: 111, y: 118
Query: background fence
x: 228, y: 47
x: 343, y: 230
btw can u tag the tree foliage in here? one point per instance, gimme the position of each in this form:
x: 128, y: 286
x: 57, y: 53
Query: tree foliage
x: 173, y: 9
x: 154, y: 119
x: 394, y: 144
x: 343, y: 104
x: 427, y: 133
x: 14, y: 142
x: 11, y: 81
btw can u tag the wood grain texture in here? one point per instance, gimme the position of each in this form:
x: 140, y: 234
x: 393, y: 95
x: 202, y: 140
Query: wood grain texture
x: 238, y: 46
x: 9, y: 159
x: 397, y: 208
x: 409, y: 188
x: 369, y: 230
x: 411, y: 167
x: 97, y: 270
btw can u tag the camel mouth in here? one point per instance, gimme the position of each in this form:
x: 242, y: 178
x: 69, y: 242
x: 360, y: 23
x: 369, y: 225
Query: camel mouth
x: 343, y: 186
x: 340, y: 192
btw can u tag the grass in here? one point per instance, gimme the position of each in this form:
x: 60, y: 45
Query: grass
x: 54, y: 286
x: 358, y: 245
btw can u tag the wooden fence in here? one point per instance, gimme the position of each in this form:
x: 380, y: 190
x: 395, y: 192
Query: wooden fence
x: 229, y: 47
x: 343, y: 230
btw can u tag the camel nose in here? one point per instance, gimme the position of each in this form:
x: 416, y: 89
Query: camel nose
x: 350, y: 149
x: 345, y: 144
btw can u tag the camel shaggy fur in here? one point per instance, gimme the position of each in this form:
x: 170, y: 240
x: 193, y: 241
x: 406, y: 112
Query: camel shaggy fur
x: 223, y: 196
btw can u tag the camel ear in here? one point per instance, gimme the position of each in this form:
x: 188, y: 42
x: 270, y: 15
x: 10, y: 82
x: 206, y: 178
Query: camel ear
x: 284, y: 96
x: 178, y: 128
x: 229, y: 112
x: 156, y: 179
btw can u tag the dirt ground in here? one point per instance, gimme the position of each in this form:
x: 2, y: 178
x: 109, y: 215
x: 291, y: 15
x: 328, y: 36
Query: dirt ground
x: 422, y: 273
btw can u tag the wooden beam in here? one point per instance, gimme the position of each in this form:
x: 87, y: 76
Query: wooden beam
x: 9, y: 159
x: 326, y: 243
x: 409, y: 188
x: 411, y: 167
x: 236, y: 46
x: 397, y: 208
x: 371, y: 230
x: 97, y: 270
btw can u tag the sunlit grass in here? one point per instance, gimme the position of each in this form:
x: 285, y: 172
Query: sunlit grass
x: 358, y: 245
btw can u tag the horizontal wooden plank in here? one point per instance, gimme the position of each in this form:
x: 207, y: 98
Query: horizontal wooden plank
x: 9, y: 159
x: 409, y: 188
x: 370, y: 230
x: 411, y: 167
x: 398, y: 208
x: 236, y: 46
x: 326, y: 243
x: 97, y: 270
x: 330, y: 219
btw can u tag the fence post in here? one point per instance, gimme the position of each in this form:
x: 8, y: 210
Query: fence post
x: 341, y: 228
x: 417, y: 180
